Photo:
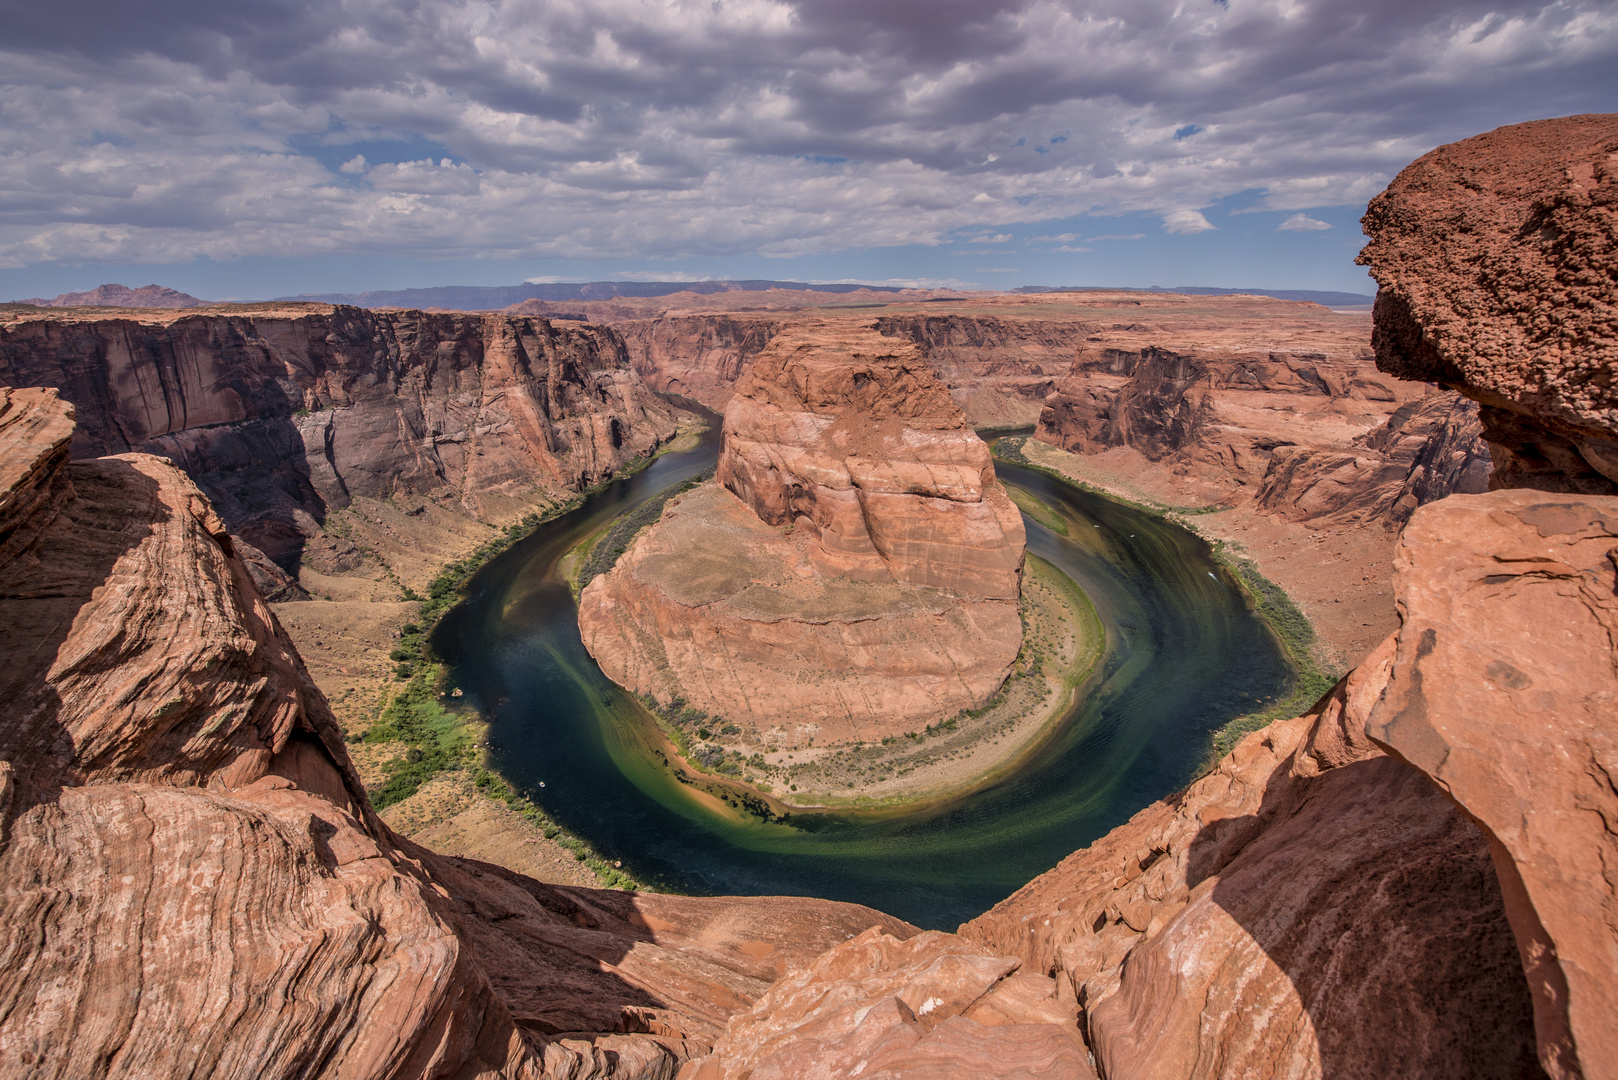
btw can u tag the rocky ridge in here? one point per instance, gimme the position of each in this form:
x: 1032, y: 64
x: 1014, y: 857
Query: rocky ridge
x: 853, y: 572
x: 147, y: 296
x: 196, y: 880
x: 286, y: 414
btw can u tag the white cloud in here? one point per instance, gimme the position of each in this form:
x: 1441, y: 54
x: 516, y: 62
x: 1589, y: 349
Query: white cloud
x: 1187, y: 221
x: 597, y: 129
x: 1303, y: 223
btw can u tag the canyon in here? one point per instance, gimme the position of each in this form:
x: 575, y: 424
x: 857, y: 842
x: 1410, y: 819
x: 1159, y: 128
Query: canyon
x: 1409, y: 878
x: 853, y: 571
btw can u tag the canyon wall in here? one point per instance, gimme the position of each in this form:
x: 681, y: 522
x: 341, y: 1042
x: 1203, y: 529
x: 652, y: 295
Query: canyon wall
x: 999, y: 369
x: 696, y: 356
x: 195, y: 883
x: 1312, y: 435
x: 853, y: 572
x: 283, y: 414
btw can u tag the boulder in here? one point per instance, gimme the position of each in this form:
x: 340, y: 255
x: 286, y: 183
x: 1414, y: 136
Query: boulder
x: 1496, y: 257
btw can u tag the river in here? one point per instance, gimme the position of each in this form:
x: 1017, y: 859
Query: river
x: 1184, y: 655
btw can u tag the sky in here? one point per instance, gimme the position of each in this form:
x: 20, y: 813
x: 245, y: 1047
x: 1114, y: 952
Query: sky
x: 242, y: 151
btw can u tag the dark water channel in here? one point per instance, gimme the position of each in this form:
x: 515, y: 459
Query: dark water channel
x: 1184, y: 655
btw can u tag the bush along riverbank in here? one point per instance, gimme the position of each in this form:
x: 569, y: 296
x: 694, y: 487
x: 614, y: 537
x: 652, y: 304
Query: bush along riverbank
x: 1289, y: 626
x: 437, y: 736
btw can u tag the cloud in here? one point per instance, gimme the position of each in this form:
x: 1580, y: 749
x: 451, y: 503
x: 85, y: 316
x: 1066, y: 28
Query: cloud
x: 1303, y: 223
x: 1187, y: 221
x: 1121, y: 236
x: 596, y: 129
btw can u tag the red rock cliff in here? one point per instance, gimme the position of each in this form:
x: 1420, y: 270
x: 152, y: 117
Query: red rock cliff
x: 194, y: 882
x: 283, y: 413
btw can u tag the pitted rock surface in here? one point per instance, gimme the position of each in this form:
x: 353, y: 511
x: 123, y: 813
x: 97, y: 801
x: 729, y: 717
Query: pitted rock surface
x: 1496, y: 257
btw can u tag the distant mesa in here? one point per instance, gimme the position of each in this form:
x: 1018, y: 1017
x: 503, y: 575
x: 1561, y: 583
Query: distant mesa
x: 1323, y: 297
x: 147, y: 296
x: 495, y: 297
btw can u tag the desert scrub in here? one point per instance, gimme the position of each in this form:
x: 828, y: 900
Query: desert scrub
x: 435, y: 739
x: 1296, y: 636
x: 607, y: 549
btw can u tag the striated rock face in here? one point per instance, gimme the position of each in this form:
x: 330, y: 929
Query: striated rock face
x: 854, y: 572
x: 696, y: 356
x: 195, y: 883
x: 853, y: 438
x: 1504, y: 693
x: 1309, y: 908
x: 1429, y: 448
x: 999, y: 369
x: 1496, y: 258
x: 283, y: 414
x: 932, y: 1006
x: 1314, y: 436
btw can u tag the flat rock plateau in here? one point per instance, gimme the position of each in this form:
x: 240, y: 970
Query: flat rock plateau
x: 1412, y: 878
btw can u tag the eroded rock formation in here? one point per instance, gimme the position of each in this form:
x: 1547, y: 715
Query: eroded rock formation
x: 1496, y: 257
x: 194, y: 882
x: 283, y: 414
x: 701, y: 357
x: 854, y: 570
x: 1313, y: 435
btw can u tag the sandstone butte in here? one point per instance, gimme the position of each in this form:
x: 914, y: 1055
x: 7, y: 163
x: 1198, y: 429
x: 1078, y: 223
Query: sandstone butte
x: 1409, y: 880
x: 853, y: 571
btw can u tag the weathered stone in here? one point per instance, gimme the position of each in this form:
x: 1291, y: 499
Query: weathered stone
x: 1504, y: 693
x: 855, y: 576
x: 1496, y: 257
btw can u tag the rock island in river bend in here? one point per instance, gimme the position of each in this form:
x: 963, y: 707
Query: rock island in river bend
x: 852, y: 574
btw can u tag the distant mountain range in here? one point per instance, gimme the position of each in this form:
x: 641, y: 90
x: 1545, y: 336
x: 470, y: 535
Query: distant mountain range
x: 156, y: 296
x: 1325, y: 299
x: 494, y: 297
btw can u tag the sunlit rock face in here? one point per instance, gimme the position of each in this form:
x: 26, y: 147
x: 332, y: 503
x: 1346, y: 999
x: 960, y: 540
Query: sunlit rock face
x: 194, y: 882
x: 854, y: 571
x: 852, y: 437
x: 289, y: 412
x: 1496, y: 257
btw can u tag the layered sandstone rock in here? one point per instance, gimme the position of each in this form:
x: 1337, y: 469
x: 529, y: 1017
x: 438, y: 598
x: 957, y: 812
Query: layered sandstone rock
x: 1315, y: 435
x: 701, y: 357
x: 1496, y: 258
x: 999, y: 366
x: 1309, y: 908
x: 284, y: 414
x: 854, y: 571
x: 935, y: 1006
x: 1505, y: 694
x: 195, y: 883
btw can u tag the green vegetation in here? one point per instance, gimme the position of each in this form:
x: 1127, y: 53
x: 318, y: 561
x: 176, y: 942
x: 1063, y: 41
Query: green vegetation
x: 1296, y: 636
x: 605, y: 551
x: 439, y: 740
x: 1039, y: 510
x: 436, y: 740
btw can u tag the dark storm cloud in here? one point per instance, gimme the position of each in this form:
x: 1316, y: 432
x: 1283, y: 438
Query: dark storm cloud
x: 163, y: 130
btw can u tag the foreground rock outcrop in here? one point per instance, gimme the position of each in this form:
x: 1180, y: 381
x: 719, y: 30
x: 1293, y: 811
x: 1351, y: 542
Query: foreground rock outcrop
x: 285, y: 414
x: 194, y: 881
x: 853, y: 573
x: 1496, y: 258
